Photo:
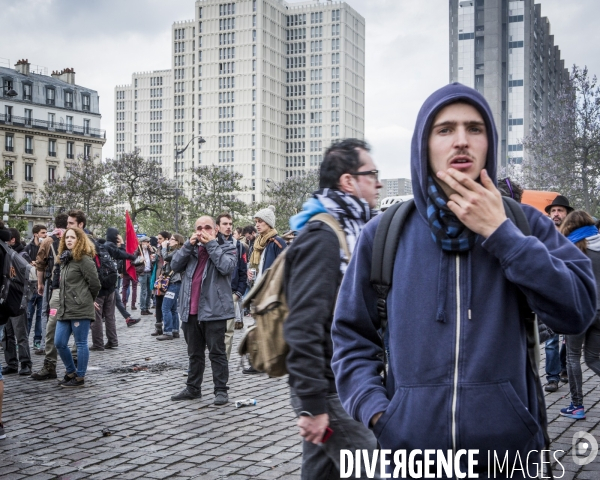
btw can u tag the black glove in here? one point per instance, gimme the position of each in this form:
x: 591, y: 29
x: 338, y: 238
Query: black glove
x: 65, y: 257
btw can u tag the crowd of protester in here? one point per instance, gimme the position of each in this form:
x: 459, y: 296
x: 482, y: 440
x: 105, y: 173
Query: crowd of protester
x: 452, y: 320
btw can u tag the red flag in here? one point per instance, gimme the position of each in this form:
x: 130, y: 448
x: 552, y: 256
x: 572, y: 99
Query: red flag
x: 131, y: 245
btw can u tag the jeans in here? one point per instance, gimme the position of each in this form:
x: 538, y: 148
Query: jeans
x: 106, y: 310
x: 590, y: 340
x: 125, y: 294
x: 15, y: 342
x: 323, y: 461
x: 34, y: 305
x: 552, y: 359
x: 144, y: 280
x: 170, y: 316
x: 199, y: 335
x: 80, y: 330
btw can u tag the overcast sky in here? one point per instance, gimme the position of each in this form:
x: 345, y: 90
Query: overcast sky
x: 105, y: 41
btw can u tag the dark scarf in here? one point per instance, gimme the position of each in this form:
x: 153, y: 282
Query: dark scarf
x: 446, y: 229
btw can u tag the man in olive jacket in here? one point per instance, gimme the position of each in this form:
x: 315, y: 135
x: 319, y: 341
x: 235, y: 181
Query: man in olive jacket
x: 205, y: 304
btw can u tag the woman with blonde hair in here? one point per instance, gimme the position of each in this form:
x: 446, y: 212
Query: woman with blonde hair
x: 79, y: 286
x: 580, y: 228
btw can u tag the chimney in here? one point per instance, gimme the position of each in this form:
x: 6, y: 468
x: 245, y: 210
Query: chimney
x: 22, y: 66
x: 66, y: 75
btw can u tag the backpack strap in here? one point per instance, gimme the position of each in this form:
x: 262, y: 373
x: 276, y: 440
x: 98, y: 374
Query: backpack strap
x: 332, y: 223
x: 515, y: 213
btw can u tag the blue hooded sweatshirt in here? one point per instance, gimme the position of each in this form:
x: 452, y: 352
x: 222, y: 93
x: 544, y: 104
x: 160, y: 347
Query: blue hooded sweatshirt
x: 458, y: 375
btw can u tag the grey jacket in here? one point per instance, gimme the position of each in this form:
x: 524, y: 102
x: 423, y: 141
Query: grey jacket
x: 216, y: 301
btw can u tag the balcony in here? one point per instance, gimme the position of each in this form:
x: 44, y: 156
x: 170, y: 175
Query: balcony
x: 28, y: 179
x: 68, y: 104
x: 52, y: 154
x: 9, y: 148
x: 52, y: 126
x: 50, y: 101
x: 29, y: 151
x: 9, y: 176
x: 70, y: 156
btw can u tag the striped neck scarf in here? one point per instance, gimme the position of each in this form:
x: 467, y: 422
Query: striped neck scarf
x: 446, y: 229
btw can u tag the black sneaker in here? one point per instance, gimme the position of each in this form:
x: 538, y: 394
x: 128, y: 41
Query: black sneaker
x: 9, y: 370
x: 221, y: 398
x: 251, y: 371
x: 186, y: 394
x: 67, y: 378
x: 164, y: 337
x: 551, y: 387
x: 74, y: 382
x: 109, y: 345
x: 94, y: 348
x: 175, y: 334
x: 25, y: 371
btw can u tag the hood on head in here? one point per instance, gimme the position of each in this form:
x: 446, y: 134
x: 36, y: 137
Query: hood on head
x: 419, y: 158
x: 111, y: 234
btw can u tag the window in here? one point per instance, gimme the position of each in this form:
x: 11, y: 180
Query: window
x: 227, y: 9
x: 29, y: 145
x: 335, y: 30
x: 51, y: 174
x: 515, y: 121
x: 8, y: 112
x: 335, y: 87
x: 50, y: 96
x: 253, y: 155
x: 68, y: 99
x: 316, y: 46
x: 254, y: 95
x: 254, y: 5
x: 466, y: 36
x: 29, y: 172
x: 296, y: 34
x: 27, y: 91
x: 70, y: 125
x: 85, y: 102
x: 316, y: 60
x: 226, y: 24
x: 335, y: 102
x: 335, y: 44
x: 87, y: 151
x: 316, y: 75
x: 335, y: 130
x: 316, y: 103
x: 515, y: 18
x: 9, y: 142
x: 52, y: 148
x: 335, y: 72
x: 335, y: 116
x: 335, y: 15
x: 70, y: 150
x: 316, y: 32
x: 8, y: 169
x: 316, y: 17
x: 515, y: 148
x: 316, y: 117
x: 515, y: 83
x: 86, y: 127
x: 294, y: 20
x: 253, y: 170
x: 28, y: 117
x: 518, y: 44
x: 316, y: 89
x: 254, y: 35
x: 51, y: 120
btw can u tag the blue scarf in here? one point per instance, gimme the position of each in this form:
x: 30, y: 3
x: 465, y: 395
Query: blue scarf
x: 446, y: 229
x: 582, y: 232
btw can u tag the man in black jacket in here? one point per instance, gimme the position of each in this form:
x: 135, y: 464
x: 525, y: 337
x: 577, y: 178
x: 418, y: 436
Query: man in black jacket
x: 238, y: 277
x: 313, y: 272
x: 15, y: 342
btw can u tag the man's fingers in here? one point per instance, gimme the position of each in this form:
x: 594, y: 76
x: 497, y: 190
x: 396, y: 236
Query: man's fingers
x: 486, y: 181
x: 453, y: 182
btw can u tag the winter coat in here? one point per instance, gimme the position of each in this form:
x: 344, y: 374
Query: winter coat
x: 216, y: 301
x: 271, y: 252
x: 79, y: 286
x: 168, y: 256
x: 458, y: 375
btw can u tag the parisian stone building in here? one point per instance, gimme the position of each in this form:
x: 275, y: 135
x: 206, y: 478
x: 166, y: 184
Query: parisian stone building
x: 45, y: 122
x: 505, y: 50
x: 266, y: 83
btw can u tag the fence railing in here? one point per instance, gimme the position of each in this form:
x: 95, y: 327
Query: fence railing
x: 52, y: 126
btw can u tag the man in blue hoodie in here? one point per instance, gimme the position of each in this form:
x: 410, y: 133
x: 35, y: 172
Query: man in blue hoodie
x: 458, y: 374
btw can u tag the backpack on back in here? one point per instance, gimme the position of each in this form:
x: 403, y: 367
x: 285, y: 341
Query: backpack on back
x: 14, y: 287
x: 264, y: 342
x: 105, y: 266
x: 385, y: 246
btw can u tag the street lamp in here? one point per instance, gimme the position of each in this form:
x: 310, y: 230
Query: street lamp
x: 177, y: 154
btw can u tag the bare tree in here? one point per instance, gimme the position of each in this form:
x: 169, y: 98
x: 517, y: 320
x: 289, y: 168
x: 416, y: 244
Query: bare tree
x: 84, y: 187
x: 565, y: 153
x: 289, y: 195
x: 213, y: 191
x: 139, y: 182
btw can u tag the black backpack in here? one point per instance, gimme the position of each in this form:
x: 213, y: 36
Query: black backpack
x: 14, y: 287
x: 385, y: 246
x: 107, y: 271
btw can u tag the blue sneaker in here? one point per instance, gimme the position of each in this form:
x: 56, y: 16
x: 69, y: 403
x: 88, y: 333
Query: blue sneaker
x: 578, y: 413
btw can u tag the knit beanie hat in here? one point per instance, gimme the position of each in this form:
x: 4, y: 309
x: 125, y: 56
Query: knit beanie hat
x: 267, y: 215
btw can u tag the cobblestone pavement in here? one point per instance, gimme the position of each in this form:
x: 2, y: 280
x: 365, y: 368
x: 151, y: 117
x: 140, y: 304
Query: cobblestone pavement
x: 57, y: 433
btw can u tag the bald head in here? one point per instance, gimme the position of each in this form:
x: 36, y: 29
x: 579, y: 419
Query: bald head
x: 206, y: 220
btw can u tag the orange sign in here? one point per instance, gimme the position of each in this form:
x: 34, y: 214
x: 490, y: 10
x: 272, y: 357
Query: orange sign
x: 539, y: 200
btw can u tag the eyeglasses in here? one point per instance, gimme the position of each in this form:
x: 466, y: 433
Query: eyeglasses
x: 372, y: 173
x: 205, y: 227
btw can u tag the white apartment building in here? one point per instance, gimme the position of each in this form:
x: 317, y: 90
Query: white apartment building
x: 268, y: 84
x: 144, y: 117
x: 45, y: 122
x: 393, y: 187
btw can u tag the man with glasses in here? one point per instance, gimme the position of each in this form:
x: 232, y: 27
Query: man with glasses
x: 206, y: 267
x: 315, y: 265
